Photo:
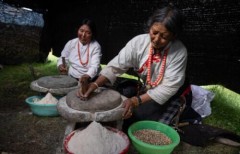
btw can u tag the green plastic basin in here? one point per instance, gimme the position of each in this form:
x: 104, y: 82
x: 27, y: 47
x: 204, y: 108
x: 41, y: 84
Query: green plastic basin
x: 145, y: 148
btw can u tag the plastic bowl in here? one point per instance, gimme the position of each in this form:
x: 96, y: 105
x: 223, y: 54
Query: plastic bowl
x: 125, y: 137
x: 145, y: 148
x: 41, y: 109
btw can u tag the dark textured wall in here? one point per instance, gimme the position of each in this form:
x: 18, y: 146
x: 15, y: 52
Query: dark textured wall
x: 211, y: 32
x: 212, y: 35
x: 117, y: 22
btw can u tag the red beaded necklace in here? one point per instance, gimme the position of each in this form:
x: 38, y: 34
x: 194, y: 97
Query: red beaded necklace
x: 79, y: 55
x: 151, y: 84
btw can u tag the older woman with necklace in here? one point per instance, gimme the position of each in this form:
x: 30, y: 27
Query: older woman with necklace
x: 82, y: 55
x: 160, y: 60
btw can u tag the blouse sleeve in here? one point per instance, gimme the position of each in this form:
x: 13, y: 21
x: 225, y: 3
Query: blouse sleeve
x: 96, y: 55
x: 65, y: 53
x: 125, y: 59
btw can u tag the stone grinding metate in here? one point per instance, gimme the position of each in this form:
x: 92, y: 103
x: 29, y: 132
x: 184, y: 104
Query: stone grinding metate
x: 105, y: 100
x: 57, y: 81
x: 57, y: 84
x: 110, y: 110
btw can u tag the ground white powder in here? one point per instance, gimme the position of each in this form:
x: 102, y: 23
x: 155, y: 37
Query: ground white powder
x: 96, y: 139
x: 48, y: 99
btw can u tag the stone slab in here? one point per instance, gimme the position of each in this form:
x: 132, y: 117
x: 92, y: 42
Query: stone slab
x: 103, y: 100
x: 73, y: 115
x: 57, y: 81
x: 57, y: 86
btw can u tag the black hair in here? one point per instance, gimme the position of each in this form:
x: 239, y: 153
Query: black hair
x: 169, y: 16
x: 92, y: 27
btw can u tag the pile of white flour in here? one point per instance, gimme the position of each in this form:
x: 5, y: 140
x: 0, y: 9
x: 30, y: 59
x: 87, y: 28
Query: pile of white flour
x: 48, y: 99
x: 96, y: 139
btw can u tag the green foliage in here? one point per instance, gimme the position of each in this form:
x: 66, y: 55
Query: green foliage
x: 15, y: 81
x: 225, y: 108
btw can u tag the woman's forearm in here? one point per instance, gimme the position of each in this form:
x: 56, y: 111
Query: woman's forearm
x: 101, y: 80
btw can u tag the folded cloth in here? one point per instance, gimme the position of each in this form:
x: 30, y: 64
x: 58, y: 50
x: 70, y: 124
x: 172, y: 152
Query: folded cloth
x: 201, y: 134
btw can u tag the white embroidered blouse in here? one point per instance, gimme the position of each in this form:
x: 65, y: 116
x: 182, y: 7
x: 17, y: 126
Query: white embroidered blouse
x: 135, y: 55
x: 76, y: 69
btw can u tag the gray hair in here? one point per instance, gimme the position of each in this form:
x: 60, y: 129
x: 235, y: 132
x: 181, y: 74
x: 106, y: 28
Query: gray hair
x: 169, y: 16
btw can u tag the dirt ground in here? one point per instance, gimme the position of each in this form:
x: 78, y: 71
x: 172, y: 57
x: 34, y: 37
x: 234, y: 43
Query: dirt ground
x: 21, y: 132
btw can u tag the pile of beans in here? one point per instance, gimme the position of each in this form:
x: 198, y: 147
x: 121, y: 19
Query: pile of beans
x: 152, y: 137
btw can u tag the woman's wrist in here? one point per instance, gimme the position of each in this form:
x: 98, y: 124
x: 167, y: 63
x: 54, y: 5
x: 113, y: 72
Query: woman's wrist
x: 96, y: 85
x: 134, y: 101
x: 139, y: 99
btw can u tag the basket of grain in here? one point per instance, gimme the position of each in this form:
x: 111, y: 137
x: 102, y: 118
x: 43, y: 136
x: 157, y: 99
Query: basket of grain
x: 43, y: 105
x: 96, y: 139
x: 151, y: 137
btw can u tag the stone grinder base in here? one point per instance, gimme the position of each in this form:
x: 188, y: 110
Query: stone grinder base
x: 80, y: 119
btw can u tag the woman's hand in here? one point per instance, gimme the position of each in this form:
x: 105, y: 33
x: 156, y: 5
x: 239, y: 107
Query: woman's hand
x: 101, y: 80
x: 62, y: 69
x: 89, y: 88
x: 84, y: 81
x: 128, y: 104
